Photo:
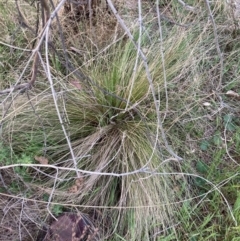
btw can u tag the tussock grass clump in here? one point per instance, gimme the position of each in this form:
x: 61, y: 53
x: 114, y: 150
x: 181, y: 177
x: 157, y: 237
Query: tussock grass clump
x: 112, y: 124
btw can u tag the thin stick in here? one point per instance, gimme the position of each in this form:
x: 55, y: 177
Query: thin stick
x: 143, y: 171
x: 138, y: 52
x: 216, y: 42
x: 51, y: 195
x: 49, y: 76
x: 162, y: 57
x: 186, y: 6
x: 76, y: 170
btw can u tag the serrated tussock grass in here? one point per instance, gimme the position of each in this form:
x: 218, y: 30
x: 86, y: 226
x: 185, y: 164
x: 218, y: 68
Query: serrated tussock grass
x: 112, y: 124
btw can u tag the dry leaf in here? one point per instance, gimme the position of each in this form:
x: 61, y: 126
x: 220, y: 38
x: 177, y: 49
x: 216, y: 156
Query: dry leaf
x: 207, y: 104
x: 76, y: 84
x: 145, y: 50
x: 79, y: 182
x: 73, y: 189
x: 77, y: 50
x: 176, y: 189
x: 77, y: 186
x: 41, y: 159
x: 233, y: 94
x: 178, y: 177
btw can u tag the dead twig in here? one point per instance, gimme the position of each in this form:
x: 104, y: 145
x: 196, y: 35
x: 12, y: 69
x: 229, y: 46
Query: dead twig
x: 14, y: 88
x: 22, y: 19
x: 220, y: 55
x: 187, y: 7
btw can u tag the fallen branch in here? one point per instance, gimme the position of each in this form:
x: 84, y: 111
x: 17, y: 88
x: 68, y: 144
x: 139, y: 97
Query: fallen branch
x: 21, y: 87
